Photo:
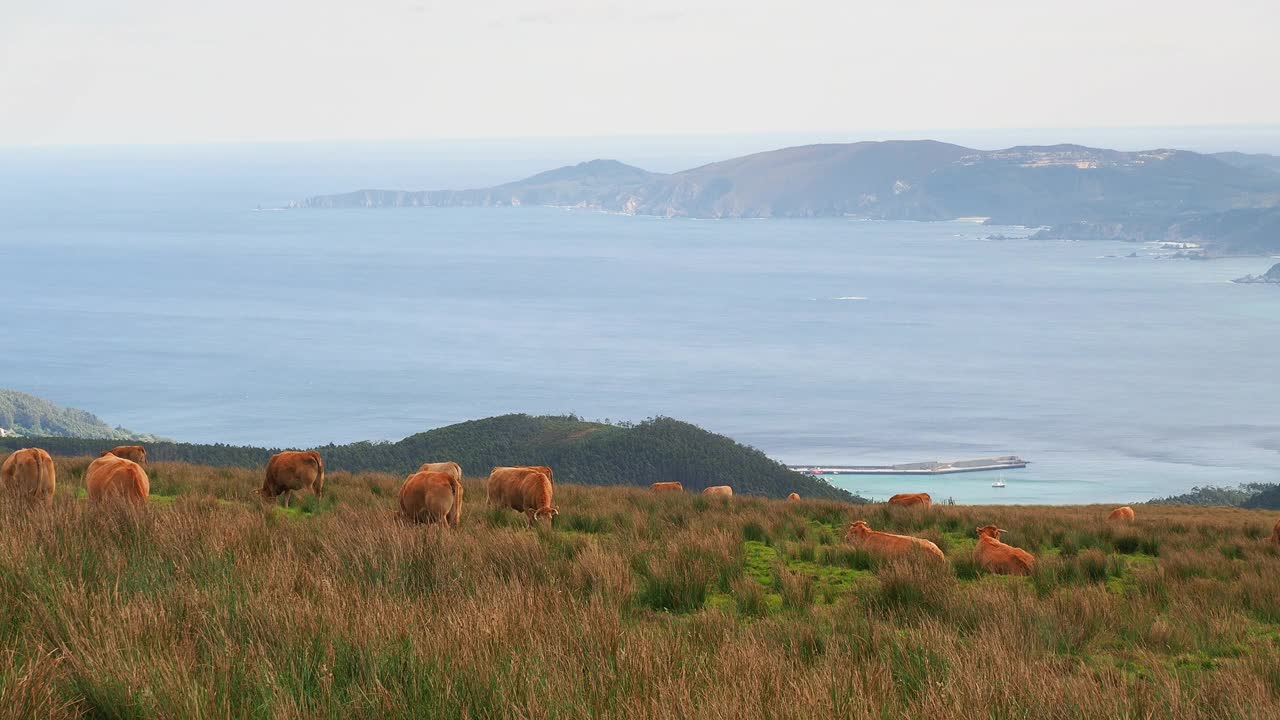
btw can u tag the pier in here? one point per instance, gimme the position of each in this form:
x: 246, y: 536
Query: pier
x: 934, y: 467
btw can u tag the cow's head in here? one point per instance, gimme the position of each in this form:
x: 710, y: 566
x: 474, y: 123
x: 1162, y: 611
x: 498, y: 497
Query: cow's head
x: 857, y: 529
x: 990, y: 531
x: 547, y: 513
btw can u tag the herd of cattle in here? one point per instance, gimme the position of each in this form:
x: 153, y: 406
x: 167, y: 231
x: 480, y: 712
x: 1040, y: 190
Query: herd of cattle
x: 433, y: 494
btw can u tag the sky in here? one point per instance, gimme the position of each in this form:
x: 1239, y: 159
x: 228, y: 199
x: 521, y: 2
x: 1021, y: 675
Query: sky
x: 176, y: 71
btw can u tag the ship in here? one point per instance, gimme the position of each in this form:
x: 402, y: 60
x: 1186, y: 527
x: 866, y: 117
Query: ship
x: 933, y: 467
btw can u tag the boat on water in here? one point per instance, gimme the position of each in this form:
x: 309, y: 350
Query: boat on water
x: 999, y: 483
x: 935, y: 467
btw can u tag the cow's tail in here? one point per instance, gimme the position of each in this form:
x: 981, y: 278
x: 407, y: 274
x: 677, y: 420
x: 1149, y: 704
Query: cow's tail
x: 319, y: 472
x: 47, y: 475
x: 455, y: 513
x: 141, y: 485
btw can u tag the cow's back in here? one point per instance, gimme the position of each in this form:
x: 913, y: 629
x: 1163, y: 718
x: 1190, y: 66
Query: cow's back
x: 114, y: 477
x: 449, y: 467
x: 719, y: 490
x: 665, y: 487
x: 997, y: 557
x: 502, y: 480
x: 1121, y: 514
x: 135, y: 453
x: 29, y: 473
x: 294, y: 470
x: 911, y: 500
x: 431, y: 497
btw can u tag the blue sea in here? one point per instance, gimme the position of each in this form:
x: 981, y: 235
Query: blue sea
x: 167, y: 302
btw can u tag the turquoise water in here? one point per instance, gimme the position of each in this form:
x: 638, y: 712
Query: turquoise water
x: 823, y: 341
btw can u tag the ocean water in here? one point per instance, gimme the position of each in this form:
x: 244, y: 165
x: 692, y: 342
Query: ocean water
x: 817, y: 341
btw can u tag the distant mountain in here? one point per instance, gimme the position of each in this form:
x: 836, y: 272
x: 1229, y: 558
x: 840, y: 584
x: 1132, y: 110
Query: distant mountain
x: 1078, y: 190
x: 27, y: 415
x: 583, y: 452
x: 1256, y: 161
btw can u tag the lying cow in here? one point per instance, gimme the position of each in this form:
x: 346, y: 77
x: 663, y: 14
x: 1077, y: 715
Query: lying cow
x: 453, y: 469
x: 111, y: 477
x: 432, y: 497
x: 665, y: 487
x: 136, y: 453
x: 29, y: 473
x: 720, y: 490
x: 1121, y: 514
x: 292, y: 470
x: 911, y: 500
x: 994, y: 556
x: 883, y: 544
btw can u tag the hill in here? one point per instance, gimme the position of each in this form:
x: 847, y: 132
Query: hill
x: 1080, y: 191
x: 208, y: 603
x: 23, y: 414
x: 581, y: 452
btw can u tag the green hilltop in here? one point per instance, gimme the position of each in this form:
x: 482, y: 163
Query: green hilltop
x: 27, y: 415
x: 581, y: 452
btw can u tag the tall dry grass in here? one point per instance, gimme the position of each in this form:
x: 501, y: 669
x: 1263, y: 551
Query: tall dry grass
x: 207, y: 603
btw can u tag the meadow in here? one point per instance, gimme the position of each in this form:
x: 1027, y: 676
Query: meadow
x: 208, y: 603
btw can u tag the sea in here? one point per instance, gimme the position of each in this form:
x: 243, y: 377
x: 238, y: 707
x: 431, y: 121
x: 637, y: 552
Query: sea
x: 167, y: 294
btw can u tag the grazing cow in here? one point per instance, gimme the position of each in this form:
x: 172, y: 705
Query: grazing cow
x: 432, y: 497
x: 885, y: 544
x: 662, y: 487
x: 529, y: 492
x: 793, y: 497
x: 911, y: 500
x: 136, y: 453
x: 452, y: 468
x: 721, y: 490
x: 502, y: 476
x: 292, y: 470
x: 29, y: 473
x: 115, y: 477
x: 1122, y: 514
x: 996, y: 557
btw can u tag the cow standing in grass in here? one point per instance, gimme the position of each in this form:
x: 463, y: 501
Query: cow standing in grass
x: 136, y: 453
x: 292, y: 470
x: 994, y: 556
x: 451, y: 468
x: 528, y: 491
x: 666, y: 487
x: 115, y: 477
x: 887, y: 545
x: 1121, y: 514
x: 432, y: 497
x: 793, y: 497
x: 29, y: 473
x: 501, y: 477
x: 921, y: 500
x: 719, y: 490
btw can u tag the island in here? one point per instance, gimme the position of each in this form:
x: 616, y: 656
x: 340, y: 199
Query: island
x: 1271, y: 276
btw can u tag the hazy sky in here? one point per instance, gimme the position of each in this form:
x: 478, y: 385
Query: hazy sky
x: 130, y: 71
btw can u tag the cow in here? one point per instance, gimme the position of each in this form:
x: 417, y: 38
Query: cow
x: 911, y: 500
x: 793, y: 497
x: 663, y: 487
x: 529, y: 492
x: 994, y: 556
x: 503, y: 475
x: 884, y: 544
x: 136, y: 453
x: 432, y: 497
x: 292, y: 470
x: 721, y: 490
x: 1122, y: 514
x: 452, y: 468
x: 111, y: 477
x: 29, y: 473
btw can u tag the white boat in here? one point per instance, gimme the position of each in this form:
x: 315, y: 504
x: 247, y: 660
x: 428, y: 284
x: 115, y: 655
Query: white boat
x: 998, y: 483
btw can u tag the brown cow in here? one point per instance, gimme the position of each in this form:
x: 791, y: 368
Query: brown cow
x: 29, y: 473
x: 292, y: 470
x: 452, y: 468
x: 793, y: 497
x: 432, y: 497
x: 136, y: 453
x: 1122, y: 514
x: 721, y: 490
x: 661, y: 487
x: 115, y: 477
x: 886, y: 544
x: 529, y: 492
x: 996, y: 557
x: 501, y: 476
x: 911, y: 500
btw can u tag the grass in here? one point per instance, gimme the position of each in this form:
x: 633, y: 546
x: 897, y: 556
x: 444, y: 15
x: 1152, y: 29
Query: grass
x: 209, y: 603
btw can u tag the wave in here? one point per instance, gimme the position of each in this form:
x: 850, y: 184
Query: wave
x: 850, y: 297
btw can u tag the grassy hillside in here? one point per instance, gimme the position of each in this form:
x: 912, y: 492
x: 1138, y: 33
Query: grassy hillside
x: 581, y: 452
x: 207, y: 603
x: 32, y: 416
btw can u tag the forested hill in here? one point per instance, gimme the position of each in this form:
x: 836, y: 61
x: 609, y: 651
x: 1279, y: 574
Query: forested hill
x: 588, y: 453
x: 23, y: 414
